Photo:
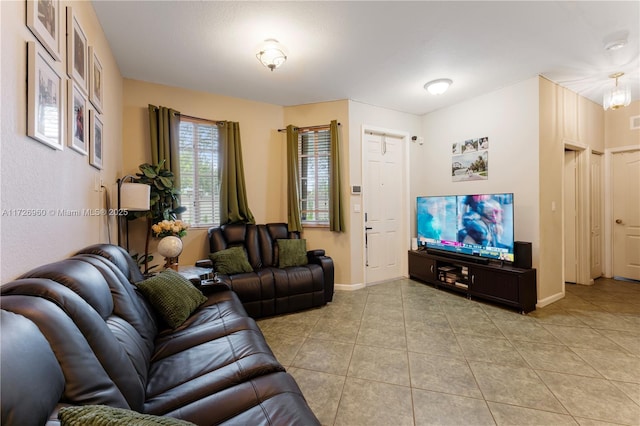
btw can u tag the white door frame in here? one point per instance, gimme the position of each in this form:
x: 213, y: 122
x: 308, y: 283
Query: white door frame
x: 406, y: 214
x: 608, y: 205
x: 583, y: 199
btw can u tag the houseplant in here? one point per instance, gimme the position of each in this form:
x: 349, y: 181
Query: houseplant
x: 164, y: 201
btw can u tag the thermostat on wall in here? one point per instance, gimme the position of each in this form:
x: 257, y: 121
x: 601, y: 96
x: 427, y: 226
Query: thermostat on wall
x: 356, y: 189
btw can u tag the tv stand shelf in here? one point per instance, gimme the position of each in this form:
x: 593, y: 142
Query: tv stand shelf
x: 496, y: 282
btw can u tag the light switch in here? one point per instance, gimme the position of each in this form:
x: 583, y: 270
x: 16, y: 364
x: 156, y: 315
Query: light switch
x: 356, y: 208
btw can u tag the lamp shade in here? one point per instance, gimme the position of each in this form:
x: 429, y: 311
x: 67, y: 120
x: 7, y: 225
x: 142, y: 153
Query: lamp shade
x: 170, y: 246
x: 616, y: 97
x: 134, y: 196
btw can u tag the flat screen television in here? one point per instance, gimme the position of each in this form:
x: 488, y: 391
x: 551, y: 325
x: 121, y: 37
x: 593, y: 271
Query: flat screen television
x: 478, y: 225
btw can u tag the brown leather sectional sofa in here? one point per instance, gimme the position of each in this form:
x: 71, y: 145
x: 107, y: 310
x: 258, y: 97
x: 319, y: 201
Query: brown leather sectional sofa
x: 269, y: 290
x: 77, y: 332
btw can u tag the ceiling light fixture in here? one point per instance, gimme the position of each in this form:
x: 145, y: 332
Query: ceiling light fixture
x: 615, y: 41
x: 271, y: 54
x: 617, y: 96
x: 439, y: 86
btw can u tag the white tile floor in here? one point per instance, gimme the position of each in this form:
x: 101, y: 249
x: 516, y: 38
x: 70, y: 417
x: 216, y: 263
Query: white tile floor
x: 403, y: 352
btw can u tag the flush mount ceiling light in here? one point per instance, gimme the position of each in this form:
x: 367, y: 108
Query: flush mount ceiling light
x: 615, y: 41
x: 439, y: 86
x: 271, y: 54
x: 617, y: 96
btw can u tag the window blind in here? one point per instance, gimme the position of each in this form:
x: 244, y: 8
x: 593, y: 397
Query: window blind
x: 314, y: 151
x: 199, y: 172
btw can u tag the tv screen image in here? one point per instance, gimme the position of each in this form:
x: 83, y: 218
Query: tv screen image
x: 477, y: 225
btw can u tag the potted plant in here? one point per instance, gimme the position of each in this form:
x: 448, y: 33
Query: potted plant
x: 163, y: 200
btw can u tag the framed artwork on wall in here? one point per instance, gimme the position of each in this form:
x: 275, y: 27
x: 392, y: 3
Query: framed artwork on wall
x: 96, y: 91
x: 44, y: 98
x: 470, y: 160
x: 77, y: 130
x: 43, y: 19
x: 77, y: 52
x: 96, y: 140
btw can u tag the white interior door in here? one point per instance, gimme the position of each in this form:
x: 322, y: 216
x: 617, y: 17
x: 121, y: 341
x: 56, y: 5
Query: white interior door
x: 626, y: 214
x: 570, y: 217
x: 596, y: 221
x: 383, y: 190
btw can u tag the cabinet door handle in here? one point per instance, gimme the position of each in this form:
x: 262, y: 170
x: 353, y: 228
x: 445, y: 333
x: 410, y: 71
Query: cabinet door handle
x: 432, y: 269
x: 473, y: 279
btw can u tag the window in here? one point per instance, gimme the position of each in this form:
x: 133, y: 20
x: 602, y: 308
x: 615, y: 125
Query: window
x: 314, y: 154
x: 199, y: 172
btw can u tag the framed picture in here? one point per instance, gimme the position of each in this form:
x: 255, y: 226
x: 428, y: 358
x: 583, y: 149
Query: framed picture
x: 77, y: 52
x: 43, y: 19
x: 44, y: 98
x: 95, y: 83
x: 77, y: 131
x: 95, y: 141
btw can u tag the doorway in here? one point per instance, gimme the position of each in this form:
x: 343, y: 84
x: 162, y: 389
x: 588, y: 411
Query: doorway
x: 596, y: 215
x: 576, y: 215
x: 625, y: 226
x: 570, y: 217
x: 384, y: 198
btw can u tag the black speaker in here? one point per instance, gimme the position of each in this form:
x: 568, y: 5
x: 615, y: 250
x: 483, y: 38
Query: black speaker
x: 522, y: 254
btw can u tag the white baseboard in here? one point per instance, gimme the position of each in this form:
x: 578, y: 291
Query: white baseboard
x: 549, y: 300
x: 348, y: 287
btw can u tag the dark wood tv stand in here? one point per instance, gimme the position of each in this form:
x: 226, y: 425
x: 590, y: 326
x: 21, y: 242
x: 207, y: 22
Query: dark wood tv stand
x: 496, y: 282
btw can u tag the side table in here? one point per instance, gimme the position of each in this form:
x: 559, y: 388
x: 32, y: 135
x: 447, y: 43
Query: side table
x: 196, y: 274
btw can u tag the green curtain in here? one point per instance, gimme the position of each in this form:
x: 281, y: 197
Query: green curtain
x: 293, y: 190
x: 336, y: 214
x: 233, y: 191
x: 164, y: 129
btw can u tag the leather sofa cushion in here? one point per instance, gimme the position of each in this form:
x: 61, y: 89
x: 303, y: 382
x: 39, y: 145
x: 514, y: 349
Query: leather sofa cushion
x: 206, y: 368
x: 172, y: 295
x: 266, y: 400
x: 31, y: 357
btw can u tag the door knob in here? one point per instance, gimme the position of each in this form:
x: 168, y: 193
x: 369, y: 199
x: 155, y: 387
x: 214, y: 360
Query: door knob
x: 619, y: 221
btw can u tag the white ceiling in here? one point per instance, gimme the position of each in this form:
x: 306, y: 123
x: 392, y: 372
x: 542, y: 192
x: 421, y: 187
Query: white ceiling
x: 380, y: 53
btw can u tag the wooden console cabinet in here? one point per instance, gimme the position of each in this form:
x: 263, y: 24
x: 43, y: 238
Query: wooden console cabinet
x: 503, y: 284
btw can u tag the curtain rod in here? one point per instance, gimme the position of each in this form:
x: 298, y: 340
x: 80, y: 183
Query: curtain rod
x: 203, y: 119
x: 321, y: 126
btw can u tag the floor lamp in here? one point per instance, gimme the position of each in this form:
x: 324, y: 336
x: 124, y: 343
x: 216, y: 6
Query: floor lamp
x: 131, y: 197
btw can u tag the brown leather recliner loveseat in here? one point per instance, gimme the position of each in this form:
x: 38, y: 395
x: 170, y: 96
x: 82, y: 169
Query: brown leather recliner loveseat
x: 267, y: 289
x: 77, y: 332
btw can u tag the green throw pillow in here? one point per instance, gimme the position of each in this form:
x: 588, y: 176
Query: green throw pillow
x: 292, y: 252
x: 172, y: 295
x: 230, y: 261
x: 102, y: 415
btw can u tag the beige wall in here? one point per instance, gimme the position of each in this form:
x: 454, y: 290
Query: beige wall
x: 617, y: 126
x: 263, y: 150
x: 337, y: 245
x: 509, y: 117
x: 35, y: 176
x: 551, y: 148
x: 566, y: 120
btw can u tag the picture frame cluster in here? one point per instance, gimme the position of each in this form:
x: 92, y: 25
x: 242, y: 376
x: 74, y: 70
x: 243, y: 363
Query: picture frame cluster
x: 51, y: 121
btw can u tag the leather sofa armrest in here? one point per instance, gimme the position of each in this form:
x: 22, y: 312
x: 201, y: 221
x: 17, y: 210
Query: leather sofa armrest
x: 204, y: 263
x: 208, y: 287
x: 315, y: 253
x: 326, y: 263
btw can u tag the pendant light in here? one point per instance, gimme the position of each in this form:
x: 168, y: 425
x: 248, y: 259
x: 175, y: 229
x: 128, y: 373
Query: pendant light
x: 617, y: 96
